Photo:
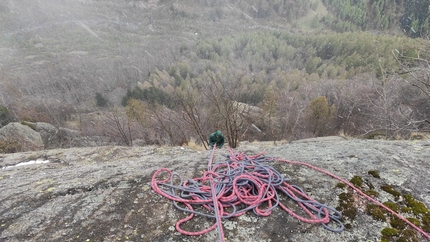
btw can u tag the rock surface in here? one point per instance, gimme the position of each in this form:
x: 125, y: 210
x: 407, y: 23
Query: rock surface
x: 104, y: 193
x: 58, y: 137
x: 17, y: 137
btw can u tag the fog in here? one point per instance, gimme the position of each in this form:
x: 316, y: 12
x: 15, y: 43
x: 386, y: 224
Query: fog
x: 56, y: 55
x: 67, y: 50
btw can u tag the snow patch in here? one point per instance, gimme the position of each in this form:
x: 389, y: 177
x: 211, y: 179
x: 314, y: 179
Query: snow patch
x: 32, y: 162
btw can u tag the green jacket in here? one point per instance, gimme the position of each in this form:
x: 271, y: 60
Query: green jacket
x: 216, y: 138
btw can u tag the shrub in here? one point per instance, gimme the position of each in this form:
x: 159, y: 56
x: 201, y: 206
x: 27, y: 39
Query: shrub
x: 8, y: 145
x: 4, y: 116
x: 100, y: 100
x: 321, y: 116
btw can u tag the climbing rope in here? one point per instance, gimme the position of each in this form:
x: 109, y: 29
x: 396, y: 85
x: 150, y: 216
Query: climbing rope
x: 239, y: 184
x: 360, y: 192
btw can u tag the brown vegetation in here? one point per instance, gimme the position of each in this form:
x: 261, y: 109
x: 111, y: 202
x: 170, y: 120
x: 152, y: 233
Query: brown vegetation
x: 179, y: 79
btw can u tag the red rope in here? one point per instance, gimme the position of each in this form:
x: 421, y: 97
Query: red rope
x: 218, y: 207
x: 247, y: 194
x: 360, y: 192
x: 247, y: 188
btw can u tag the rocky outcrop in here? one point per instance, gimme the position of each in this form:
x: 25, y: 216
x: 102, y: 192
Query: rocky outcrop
x: 58, y: 137
x: 47, y: 132
x: 21, y: 136
x: 104, y: 193
x: 16, y: 137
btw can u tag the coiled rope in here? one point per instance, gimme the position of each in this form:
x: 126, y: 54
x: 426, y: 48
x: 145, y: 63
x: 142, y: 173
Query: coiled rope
x: 246, y: 180
x: 240, y: 181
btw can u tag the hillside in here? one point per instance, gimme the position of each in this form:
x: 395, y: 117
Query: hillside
x: 71, y: 50
x: 187, y: 65
x: 104, y: 193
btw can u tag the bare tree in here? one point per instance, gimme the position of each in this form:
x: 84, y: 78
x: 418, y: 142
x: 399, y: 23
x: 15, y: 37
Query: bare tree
x: 223, y: 95
x: 290, y: 112
x: 416, y: 72
x: 168, y: 121
x: 116, y: 124
x: 136, y: 110
x: 192, y: 108
x: 269, y: 106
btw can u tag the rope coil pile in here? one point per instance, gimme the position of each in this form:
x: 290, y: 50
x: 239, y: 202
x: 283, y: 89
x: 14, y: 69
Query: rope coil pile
x: 233, y: 187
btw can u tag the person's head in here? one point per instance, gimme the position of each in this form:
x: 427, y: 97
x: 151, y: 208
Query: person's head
x: 218, y: 133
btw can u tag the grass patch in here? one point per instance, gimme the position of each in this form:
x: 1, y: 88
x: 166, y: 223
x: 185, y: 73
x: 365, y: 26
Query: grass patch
x: 374, y: 173
x: 389, y: 189
x: 341, y: 185
x: 371, y: 193
x: 192, y: 144
x: 357, y: 181
x: 375, y: 212
x: 346, y: 205
x: 418, y: 208
x: 392, y: 206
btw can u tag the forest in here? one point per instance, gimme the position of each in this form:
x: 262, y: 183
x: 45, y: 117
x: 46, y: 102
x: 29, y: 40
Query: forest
x: 171, y: 73
x: 292, y: 87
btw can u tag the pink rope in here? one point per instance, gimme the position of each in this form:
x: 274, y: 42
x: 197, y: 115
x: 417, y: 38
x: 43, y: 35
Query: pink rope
x: 218, y: 207
x: 247, y: 189
x: 360, y: 192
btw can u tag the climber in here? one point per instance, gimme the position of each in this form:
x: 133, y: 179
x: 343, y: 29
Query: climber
x: 216, y: 138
